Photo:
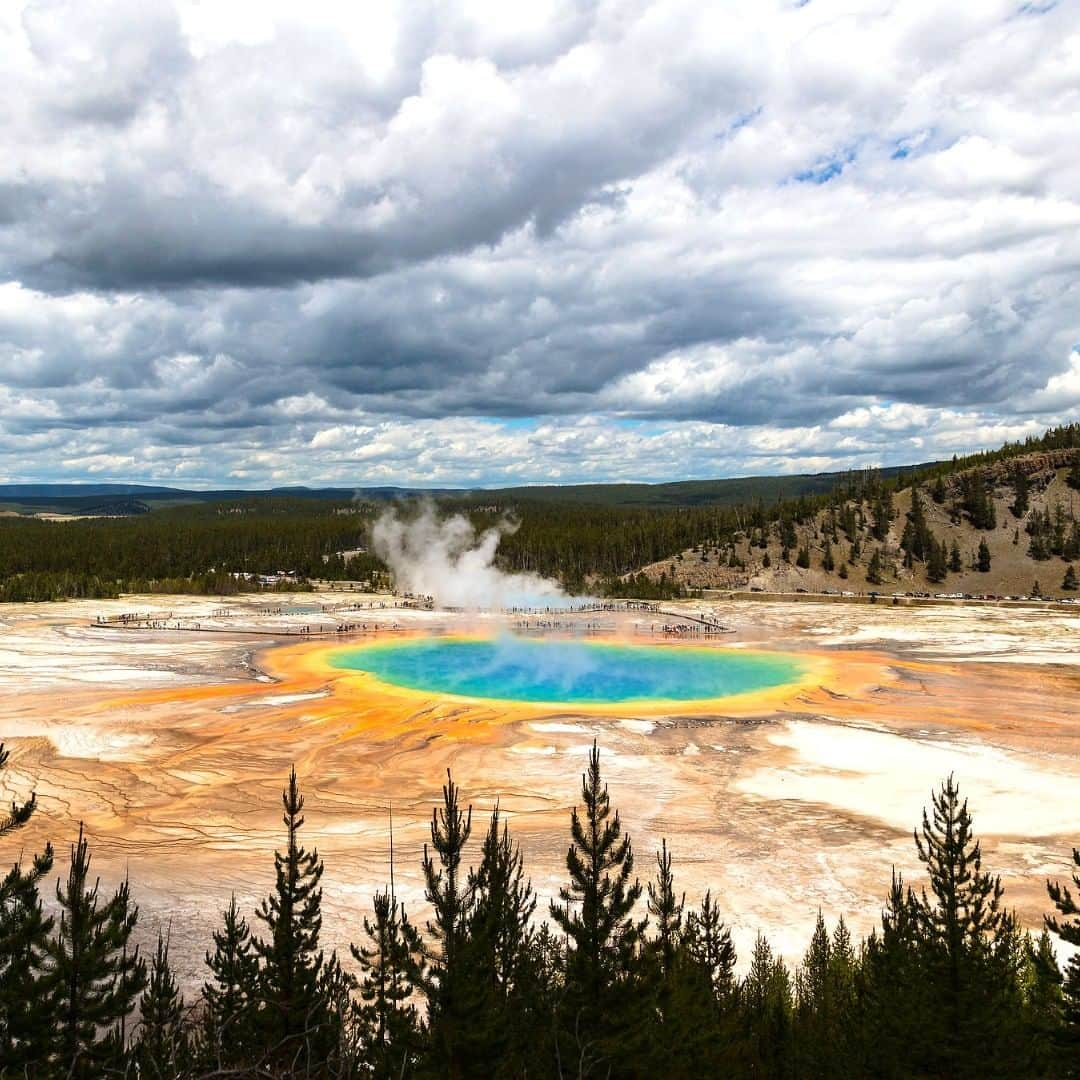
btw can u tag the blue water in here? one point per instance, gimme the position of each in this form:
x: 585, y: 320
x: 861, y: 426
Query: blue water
x: 518, y: 669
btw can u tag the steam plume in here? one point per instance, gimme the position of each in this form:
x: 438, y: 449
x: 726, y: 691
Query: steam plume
x: 446, y: 559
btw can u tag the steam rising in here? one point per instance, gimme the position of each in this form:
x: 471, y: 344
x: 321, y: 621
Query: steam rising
x: 446, y: 559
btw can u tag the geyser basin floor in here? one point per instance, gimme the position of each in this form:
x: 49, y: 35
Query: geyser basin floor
x: 568, y: 672
x: 781, y: 801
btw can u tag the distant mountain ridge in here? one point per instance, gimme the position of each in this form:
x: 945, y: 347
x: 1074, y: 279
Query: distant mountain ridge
x: 73, y: 491
x: 726, y: 491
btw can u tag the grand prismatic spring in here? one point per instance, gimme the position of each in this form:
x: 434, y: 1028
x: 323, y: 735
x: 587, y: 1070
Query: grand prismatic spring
x: 786, y: 761
x: 568, y: 672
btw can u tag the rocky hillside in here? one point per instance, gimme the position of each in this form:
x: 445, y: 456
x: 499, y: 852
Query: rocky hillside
x: 1004, y: 528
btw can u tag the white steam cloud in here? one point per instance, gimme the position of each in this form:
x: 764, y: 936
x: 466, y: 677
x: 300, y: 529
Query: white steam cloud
x: 446, y: 559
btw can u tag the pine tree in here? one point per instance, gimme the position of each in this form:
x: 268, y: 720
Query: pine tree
x: 971, y: 942
x: 1066, y: 925
x: 26, y: 1022
x: 825, y: 1005
x: 803, y: 558
x: 976, y: 501
x: 843, y: 981
x: 897, y: 1000
x: 293, y: 1014
x: 26, y: 1026
x: 1043, y: 1005
x: 883, y: 515
x: 689, y: 975
x: 906, y: 544
x: 595, y: 914
x: 497, y: 959
x: 708, y: 942
x: 1069, y: 582
x: 94, y: 977
x: 1021, y: 491
x: 813, y: 1003
x: 388, y: 1016
x: 955, y: 562
x: 161, y: 1049
x: 983, y: 564
x: 917, y: 536
x: 936, y: 567
x: 767, y: 1011
x: 231, y: 996
x: 20, y: 813
x: 695, y: 1028
x: 666, y: 909
x: 876, y: 569
x: 503, y: 905
x: 1072, y: 545
x: 343, y: 1032
x: 447, y: 890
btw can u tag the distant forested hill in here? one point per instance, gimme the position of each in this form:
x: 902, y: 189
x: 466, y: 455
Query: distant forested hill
x: 83, y: 498
x: 646, y: 539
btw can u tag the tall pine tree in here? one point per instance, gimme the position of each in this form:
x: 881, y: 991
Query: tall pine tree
x: 596, y: 915
x: 448, y: 890
x: 971, y: 944
x: 293, y: 1013
x: 498, y: 959
x: 95, y: 975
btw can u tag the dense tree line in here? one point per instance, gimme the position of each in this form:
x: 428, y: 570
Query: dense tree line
x: 1063, y: 437
x: 201, y: 547
x: 188, y: 549
x: 581, y: 544
x: 622, y: 979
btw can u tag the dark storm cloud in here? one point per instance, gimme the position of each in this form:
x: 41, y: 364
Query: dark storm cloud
x: 661, y: 238
x: 437, y: 175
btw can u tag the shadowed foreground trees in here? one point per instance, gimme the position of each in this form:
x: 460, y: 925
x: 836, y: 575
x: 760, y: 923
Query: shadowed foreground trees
x: 623, y: 981
x: 1067, y: 927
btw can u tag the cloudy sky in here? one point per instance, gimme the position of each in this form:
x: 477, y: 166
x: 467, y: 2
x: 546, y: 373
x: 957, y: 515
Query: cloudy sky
x: 483, y: 242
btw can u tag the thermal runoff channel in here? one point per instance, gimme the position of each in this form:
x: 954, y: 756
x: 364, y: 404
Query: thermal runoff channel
x: 516, y: 669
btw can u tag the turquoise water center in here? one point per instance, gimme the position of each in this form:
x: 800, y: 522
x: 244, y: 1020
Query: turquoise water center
x: 575, y: 672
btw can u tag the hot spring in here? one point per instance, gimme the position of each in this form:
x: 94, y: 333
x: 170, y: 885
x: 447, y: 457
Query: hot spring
x: 571, y: 672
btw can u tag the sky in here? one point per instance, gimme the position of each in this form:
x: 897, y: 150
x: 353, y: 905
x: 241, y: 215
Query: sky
x: 484, y: 243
